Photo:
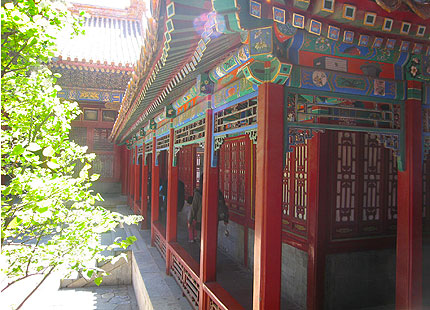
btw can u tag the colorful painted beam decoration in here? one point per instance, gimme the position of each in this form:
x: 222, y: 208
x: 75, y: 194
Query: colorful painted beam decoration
x: 89, y: 95
x: 309, y: 78
x: 331, y: 20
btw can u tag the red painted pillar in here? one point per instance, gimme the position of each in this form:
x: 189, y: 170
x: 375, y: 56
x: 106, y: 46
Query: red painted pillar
x: 136, y: 182
x: 123, y: 170
x: 131, y: 170
x: 172, y: 198
x: 155, y: 188
x: 129, y: 160
x: 409, y: 216
x: 144, y: 199
x: 209, y: 233
x: 318, y: 209
x: 117, y: 162
x: 268, y: 197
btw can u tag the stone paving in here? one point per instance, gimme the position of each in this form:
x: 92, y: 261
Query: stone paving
x: 49, y: 297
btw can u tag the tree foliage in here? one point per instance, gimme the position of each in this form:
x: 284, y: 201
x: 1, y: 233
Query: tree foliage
x: 48, y: 219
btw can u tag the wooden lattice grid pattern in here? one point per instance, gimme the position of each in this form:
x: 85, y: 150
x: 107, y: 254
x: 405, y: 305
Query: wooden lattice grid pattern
x: 101, y: 139
x: 148, y: 148
x: 366, y: 187
x: 103, y: 164
x: 163, y: 142
x: 79, y: 135
x: 295, y: 191
x: 190, y: 132
x: 185, y: 164
x: 235, y: 173
x: 239, y: 115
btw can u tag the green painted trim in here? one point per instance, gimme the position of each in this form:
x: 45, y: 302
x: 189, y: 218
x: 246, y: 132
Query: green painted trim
x: 303, y: 91
x: 190, y: 142
x: 415, y: 93
x: 190, y: 122
x: 345, y: 128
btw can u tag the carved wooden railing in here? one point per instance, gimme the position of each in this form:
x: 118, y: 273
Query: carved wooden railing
x: 159, y: 239
x: 185, y: 270
x: 219, y: 298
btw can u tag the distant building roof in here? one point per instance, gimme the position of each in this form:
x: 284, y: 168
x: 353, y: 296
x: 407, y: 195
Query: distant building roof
x: 113, y: 37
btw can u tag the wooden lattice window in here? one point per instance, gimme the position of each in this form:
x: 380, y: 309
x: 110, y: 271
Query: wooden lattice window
x: 190, y: 132
x: 295, y: 192
x: 79, y: 135
x: 235, y: 174
x: 239, y: 115
x: 365, y: 187
x: 148, y: 148
x: 199, y: 167
x: 101, y: 139
x: 185, y: 168
x: 163, y: 142
x: 103, y: 165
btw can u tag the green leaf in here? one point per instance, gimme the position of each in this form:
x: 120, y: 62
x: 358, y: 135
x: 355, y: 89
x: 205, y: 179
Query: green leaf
x: 98, y: 281
x: 90, y: 274
x: 53, y: 165
x: 33, y: 147
x: 43, y: 209
x: 15, y: 223
x: 48, y: 151
x: 17, y: 150
x: 94, y: 177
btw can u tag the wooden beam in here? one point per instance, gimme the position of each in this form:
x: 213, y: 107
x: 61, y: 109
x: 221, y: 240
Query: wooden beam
x: 268, y: 199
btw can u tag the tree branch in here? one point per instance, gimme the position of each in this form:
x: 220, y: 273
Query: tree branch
x: 15, y: 57
x: 35, y: 289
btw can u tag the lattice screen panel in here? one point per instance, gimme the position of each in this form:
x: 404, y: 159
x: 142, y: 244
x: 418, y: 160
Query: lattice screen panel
x: 366, y: 187
x: 163, y: 142
x: 101, y: 139
x: 79, y: 135
x: 190, y: 132
x: 199, y: 167
x: 148, y: 148
x: 235, y: 173
x: 103, y: 165
x: 185, y: 168
x: 295, y: 191
x: 240, y: 115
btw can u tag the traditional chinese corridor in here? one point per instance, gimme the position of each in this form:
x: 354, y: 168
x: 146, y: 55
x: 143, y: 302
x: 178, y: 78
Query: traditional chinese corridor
x: 311, y: 118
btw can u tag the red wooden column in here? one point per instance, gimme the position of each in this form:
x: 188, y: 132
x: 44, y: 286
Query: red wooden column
x: 409, y: 216
x: 209, y: 233
x: 129, y: 163
x: 155, y: 188
x: 117, y: 162
x: 268, y: 197
x: 136, y: 182
x: 123, y: 170
x: 131, y: 171
x: 172, y: 198
x: 318, y: 209
x: 144, y: 199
